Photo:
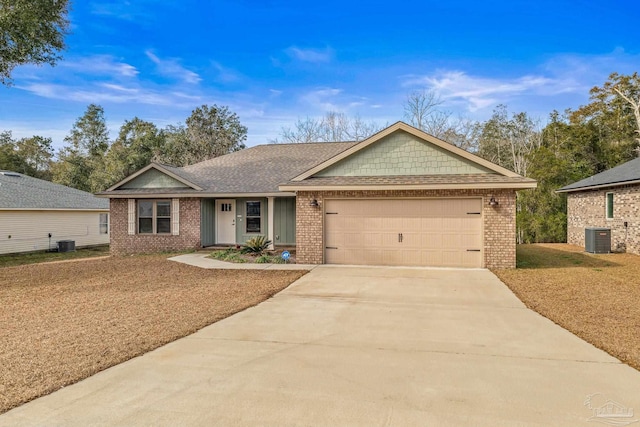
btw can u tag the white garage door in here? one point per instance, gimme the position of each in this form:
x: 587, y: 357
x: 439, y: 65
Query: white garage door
x: 411, y: 232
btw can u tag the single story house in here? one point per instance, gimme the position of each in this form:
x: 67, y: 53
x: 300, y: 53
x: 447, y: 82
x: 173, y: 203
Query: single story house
x: 36, y: 214
x: 610, y: 199
x: 400, y: 197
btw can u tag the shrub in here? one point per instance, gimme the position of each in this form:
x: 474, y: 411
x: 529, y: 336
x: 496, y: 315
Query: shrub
x: 256, y: 245
x: 263, y: 259
x: 221, y: 254
x: 235, y: 257
x: 277, y: 259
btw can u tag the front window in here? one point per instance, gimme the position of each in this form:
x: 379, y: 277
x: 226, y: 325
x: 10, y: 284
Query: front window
x: 154, y: 216
x: 104, y: 223
x: 609, y: 205
x: 253, y: 217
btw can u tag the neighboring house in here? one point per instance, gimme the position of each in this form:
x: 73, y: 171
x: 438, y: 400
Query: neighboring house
x: 610, y: 199
x: 36, y: 214
x: 400, y: 197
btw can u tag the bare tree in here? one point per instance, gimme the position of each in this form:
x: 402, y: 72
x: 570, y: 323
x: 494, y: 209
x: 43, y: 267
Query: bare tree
x: 332, y: 127
x: 419, y: 108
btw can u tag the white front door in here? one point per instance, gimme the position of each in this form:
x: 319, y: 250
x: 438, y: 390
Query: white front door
x: 226, y: 221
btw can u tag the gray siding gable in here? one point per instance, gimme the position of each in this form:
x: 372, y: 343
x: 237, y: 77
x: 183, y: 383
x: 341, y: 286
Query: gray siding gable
x: 403, y: 154
x: 153, y: 178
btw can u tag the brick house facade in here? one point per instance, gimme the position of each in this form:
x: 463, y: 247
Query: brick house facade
x: 609, y: 199
x: 123, y: 243
x: 461, y: 207
x: 588, y: 209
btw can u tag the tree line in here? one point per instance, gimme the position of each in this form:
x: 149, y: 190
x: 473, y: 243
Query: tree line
x: 572, y: 145
x: 89, y: 161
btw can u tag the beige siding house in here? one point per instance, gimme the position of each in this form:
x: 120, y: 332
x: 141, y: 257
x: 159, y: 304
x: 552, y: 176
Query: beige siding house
x: 400, y: 197
x: 36, y: 214
x: 610, y: 199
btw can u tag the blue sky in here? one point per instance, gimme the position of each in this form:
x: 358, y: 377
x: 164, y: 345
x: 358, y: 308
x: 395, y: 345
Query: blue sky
x: 273, y: 62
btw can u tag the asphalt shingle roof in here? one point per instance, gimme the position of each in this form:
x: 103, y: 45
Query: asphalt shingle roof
x: 625, y: 172
x: 25, y: 192
x: 258, y: 169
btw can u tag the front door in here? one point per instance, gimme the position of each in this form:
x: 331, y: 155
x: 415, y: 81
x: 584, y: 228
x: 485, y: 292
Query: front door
x: 226, y: 221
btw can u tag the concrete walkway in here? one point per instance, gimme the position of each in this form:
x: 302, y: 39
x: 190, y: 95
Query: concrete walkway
x: 202, y: 260
x: 358, y: 347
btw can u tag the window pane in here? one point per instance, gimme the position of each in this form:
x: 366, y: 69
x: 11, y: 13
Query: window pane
x: 145, y: 225
x: 104, y: 229
x: 609, y: 205
x: 103, y: 218
x: 253, y: 225
x: 163, y: 225
x: 145, y: 209
x: 164, y: 209
x: 253, y: 208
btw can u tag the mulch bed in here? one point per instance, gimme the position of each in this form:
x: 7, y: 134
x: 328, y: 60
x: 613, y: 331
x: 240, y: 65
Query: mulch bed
x: 596, y: 297
x: 63, y: 322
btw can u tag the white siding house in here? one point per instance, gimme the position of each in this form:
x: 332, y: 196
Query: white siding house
x: 36, y: 214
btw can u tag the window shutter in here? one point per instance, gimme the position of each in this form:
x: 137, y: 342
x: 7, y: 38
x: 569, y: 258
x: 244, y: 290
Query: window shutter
x: 175, y: 217
x: 131, y: 219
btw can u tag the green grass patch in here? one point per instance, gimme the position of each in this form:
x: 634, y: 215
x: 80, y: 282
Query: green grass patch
x: 537, y: 256
x: 12, y: 260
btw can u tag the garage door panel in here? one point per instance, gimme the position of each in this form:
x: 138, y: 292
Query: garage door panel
x: 373, y: 240
x: 435, y: 232
x: 431, y: 257
x: 470, y: 259
x: 431, y: 240
x: 431, y: 223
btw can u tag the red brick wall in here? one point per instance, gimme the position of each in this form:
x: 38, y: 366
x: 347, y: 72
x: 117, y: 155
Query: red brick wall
x: 499, y: 222
x: 122, y: 243
x: 587, y: 209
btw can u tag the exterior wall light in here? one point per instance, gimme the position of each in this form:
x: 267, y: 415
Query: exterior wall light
x: 493, y: 202
x: 314, y: 203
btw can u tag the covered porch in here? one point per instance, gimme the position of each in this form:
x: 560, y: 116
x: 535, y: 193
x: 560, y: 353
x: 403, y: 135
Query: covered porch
x: 234, y: 220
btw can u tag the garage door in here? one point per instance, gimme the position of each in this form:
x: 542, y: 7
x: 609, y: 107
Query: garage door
x: 412, y: 232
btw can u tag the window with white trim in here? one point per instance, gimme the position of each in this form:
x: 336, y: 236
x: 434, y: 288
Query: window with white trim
x: 154, y: 216
x: 104, y: 223
x: 253, y: 217
x: 609, y: 204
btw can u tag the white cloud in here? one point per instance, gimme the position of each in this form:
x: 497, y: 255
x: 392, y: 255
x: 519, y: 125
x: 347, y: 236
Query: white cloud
x: 323, y: 99
x: 101, y: 65
x: 480, y: 92
x: 171, y: 68
x: 225, y: 75
x: 109, y: 92
x: 310, y: 55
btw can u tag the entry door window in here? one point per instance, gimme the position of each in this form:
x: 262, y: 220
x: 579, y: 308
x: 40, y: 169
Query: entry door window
x: 253, y: 217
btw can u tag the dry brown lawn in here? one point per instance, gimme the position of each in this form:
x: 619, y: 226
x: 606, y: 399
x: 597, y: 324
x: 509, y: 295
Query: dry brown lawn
x: 597, y: 297
x: 63, y: 322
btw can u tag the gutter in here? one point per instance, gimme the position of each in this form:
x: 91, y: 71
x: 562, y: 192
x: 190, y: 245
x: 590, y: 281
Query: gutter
x: 599, y: 186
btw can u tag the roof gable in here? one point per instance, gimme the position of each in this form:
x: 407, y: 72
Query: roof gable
x: 400, y: 144
x: 402, y: 153
x: 155, y: 176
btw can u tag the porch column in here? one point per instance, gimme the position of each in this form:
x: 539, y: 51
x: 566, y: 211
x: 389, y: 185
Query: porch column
x: 270, y: 216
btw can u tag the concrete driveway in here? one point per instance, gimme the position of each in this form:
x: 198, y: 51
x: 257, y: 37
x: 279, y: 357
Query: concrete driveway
x: 347, y: 346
